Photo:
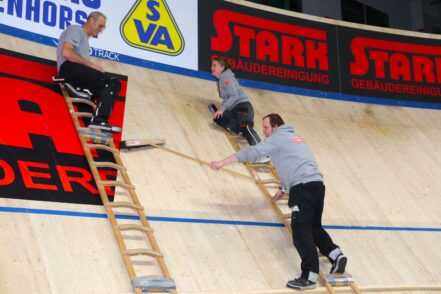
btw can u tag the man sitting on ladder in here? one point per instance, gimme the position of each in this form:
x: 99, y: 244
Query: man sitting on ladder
x: 84, y: 78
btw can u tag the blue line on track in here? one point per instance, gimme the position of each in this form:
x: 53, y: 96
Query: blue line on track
x: 202, y: 221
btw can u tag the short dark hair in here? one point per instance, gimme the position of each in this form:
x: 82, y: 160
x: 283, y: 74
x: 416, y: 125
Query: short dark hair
x: 275, y: 119
x: 223, y: 61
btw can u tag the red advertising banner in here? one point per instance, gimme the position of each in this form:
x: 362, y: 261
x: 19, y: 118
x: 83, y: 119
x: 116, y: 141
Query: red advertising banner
x: 289, y: 51
x: 268, y: 47
x: 391, y: 66
x: 41, y: 157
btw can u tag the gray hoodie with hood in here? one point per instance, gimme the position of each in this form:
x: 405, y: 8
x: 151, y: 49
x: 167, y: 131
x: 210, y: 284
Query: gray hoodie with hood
x: 230, y: 91
x: 290, y: 155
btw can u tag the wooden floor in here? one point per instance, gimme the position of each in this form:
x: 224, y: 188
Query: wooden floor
x: 382, y: 168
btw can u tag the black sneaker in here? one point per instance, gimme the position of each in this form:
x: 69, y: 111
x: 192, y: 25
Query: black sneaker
x: 77, y: 92
x: 301, y: 284
x: 104, y: 126
x: 339, y: 265
x: 212, y: 107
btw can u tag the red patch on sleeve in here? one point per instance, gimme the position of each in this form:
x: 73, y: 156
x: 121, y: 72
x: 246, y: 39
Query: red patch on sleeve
x: 227, y: 82
x: 297, y: 139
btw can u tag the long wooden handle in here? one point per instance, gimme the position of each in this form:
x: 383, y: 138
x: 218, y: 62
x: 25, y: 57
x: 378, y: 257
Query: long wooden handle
x: 228, y: 171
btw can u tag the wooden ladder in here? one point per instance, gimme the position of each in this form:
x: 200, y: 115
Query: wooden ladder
x: 268, y: 182
x: 124, y: 231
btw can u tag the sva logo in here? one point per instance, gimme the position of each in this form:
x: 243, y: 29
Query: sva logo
x: 149, y: 25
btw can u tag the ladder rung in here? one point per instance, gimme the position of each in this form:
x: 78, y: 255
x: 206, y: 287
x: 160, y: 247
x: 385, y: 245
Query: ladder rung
x: 116, y: 183
x: 94, y: 133
x: 233, y: 136
x: 130, y: 227
x: 124, y: 204
x: 149, y: 252
x: 97, y: 139
x: 101, y: 146
x: 81, y: 114
x: 108, y: 164
x: 268, y: 181
x: 80, y: 100
x: 287, y: 215
x: 237, y: 138
x: 260, y: 165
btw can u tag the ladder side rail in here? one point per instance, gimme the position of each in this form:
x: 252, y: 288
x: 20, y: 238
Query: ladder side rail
x: 154, y: 244
x: 104, y: 198
x: 262, y: 187
x: 142, y: 216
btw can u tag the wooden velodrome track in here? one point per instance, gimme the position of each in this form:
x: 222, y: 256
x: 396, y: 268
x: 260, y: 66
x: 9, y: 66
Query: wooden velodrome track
x: 382, y: 168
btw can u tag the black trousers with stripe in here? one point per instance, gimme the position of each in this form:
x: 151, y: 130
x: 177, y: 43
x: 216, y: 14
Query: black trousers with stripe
x: 101, y: 85
x: 307, y: 203
x: 240, y: 120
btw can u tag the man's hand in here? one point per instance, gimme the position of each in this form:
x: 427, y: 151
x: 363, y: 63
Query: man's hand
x: 279, y: 194
x: 216, y: 164
x: 218, y: 113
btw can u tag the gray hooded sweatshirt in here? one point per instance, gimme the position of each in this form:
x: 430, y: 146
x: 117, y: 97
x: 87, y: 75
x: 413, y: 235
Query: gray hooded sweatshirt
x: 230, y: 91
x: 290, y: 155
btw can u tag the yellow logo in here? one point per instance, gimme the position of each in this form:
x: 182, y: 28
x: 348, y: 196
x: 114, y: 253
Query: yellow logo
x: 149, y: 25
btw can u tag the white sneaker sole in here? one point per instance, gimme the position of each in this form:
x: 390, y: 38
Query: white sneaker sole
x: 300, y: 287
x: 78, y: 94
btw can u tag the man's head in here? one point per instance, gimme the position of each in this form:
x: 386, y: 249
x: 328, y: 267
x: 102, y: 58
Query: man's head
x: 271, y: 122
x: 96, y: 23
